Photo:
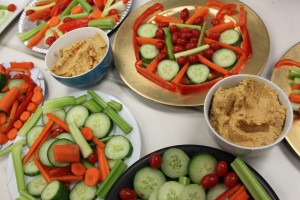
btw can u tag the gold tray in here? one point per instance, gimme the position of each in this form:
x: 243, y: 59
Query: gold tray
x: 124, y: 58
x: 280, y: 76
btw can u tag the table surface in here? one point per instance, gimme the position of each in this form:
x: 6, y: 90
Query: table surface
x: 279, y: 166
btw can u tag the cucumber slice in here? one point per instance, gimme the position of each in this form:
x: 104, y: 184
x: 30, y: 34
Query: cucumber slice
x: 147, y: 30
x: 198, y: 73
x: 118, y: 148
x: 214, y: 192
x: 43, y: 152
x: 170, y: 190
x: 154, y: 195
x: 77, y: 114
x: 67, y: 136
x: 193, y: 192
x: 175, y: 163
x: 111, y: 163
x: 100, y: 123
x: 148, y: 52
x: 36, y: 186
x: 30, y: 168
x: 55, y: 190
x: 50, y: 152
x: 61, y: 114
x: 224, y: 58
x: 231, y: 37
x: 200, y: 165
x: 147, y: 180
x: 167, y: 69
x: 33, y: 134
x: 15, y: 82
x: 81, y: 191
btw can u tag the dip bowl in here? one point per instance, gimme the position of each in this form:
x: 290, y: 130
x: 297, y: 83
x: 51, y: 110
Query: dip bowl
x: 90, y: 77
x: 236, y: 149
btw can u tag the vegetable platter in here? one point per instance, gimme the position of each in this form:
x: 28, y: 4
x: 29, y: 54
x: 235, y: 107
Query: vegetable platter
x: 178, y: 49
x: 20, y: 106
x: 178, y: 171
x: 42, y: 22
x: 101, y: 141
x: 9, y: 13
x: 285, y: 75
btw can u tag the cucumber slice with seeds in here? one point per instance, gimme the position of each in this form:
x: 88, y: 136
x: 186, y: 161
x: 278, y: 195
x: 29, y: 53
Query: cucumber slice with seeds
x: 77, y: 114
x: 148, y: 52
x: 198, y: 73
x: 170, y: 190
x: 55, y: 190
x: 81, y: 191
x: 193, y: 192
x: 36, y: 186
x: 167, y: 69
x: 33, y: 134
x: 224, y: 58
x: 230, y: 36
x: 100, y: 123
x: 43, y: 156
x: 118, y: 148
x: 30, y: 168
x: 147, y: 30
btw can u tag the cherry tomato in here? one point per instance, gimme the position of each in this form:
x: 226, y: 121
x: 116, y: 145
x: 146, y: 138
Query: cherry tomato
x: 46, y: 15
x: 215, y: 21
x: 29, y: 12
x: 160, y: 45
x: 50, y: 40
x: 182, y: 41
x: 215, y: 36
x: 11, y: 7
x: 163, y: 24
x: 113, y: 12
x: 193, y: 58
x: 174, y: 28
x: 175, y: 37
x: 155, y: 160
x: 101, y: 6
x: 214, y: 46
x: 185, y: 29
x: 186, y: 35
x: 21, y: 98
x: 194, y: 40
x: 231, y: 179
x: 221, y: 168
x: 209, y: 180
x: 93, y: 158
x: 208, y: 53
x: 182, y: 60
x: 177, y: 48
x: 162, y: 55
x: 91, y: 2
x: 56, y: 131
x: 195, y: 32
x: 127, y: 194
x: 198, y: 21
x: 184, y: 14
x: 67, y: 19
x: 18, y: 76
x: 160, y: 33
x: 190, y: 45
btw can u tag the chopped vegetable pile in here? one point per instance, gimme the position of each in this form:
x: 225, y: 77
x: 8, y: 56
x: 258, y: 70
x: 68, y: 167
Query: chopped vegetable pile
x: 192, y: 52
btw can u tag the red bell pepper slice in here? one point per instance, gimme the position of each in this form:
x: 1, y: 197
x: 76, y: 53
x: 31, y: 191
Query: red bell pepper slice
x: 59, y: 7
x: 203, y: 87
x: 240, y: 64
x: 74, y: 24
x: 228, y: 9
x: 287, y: 62
x: 246, y: 44
x: 242, y: 17
x: 237, y: 50
x: 214, y: 3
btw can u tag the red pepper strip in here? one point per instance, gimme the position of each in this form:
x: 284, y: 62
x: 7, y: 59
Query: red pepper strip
x: 237, y: 50
x: 240, y: 64
x: 71, y: 25
x: 296, y: 86
x: 286, y: 62
x: 149, y: 11
x: 246, y: 44
x: 203, y: 87
x: 242, y: 17
x: 294, y: 98
x: 154, y: 78
x: 59, y: 7
x: 214, y: 3
x: 228, y: 192
x: 228, y: 9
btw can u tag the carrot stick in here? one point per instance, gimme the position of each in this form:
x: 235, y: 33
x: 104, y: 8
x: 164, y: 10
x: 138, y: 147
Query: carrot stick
x: 153, y: 64
x: 78, y: 169
x: 201, y: 12
x: 12, y: 134
x: 37, y: 37
x: 168, y: 19
x: 42, y: 169
x: 76, y: 9
x: 212, y: 65
x: 13, y: 109
x: 87, y: 133
x: 8, y: 99
x: 92, y: 176
x: 37, y: 89
x: 238, y: 192
x: 36, y: 143
x: 25, y: 71
x: 103, y: 165
x: 18, y: 124
x: 242, y: 196
x: 3, y: 138
x: 25, y: 65
x: 38, y: 14
x: 98, y: 2
x: 181, y: 73
x: 25, y: 116
x: 37, y: 98
x: 54, y: 21
x: 98, y: 142
x: 294, y: 98
x: 142, y: 40
x: 220, y: 28
x: 237, y: 50
x: 96, y: 14
x: 67, y: 178
x: 125, y: 1
x: 24, y: 87
x: 66, y: 153
x: 3, y: 118
x: 3, y: 128
x: 59, y: 171
x: 58, y: 121
x: 32, y: 107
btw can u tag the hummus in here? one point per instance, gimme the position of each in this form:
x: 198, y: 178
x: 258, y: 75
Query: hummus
x: 80, y: 57
x: 249, y: 114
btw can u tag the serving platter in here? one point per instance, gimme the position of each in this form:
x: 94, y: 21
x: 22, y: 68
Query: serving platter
x: 133, y: 136
x: 280, y: 76
x: 124, y: 58
x: 25, y: 25
x: 126, y: 180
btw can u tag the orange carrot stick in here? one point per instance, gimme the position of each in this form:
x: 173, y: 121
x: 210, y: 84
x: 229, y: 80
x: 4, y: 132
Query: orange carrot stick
x: 78, y: 169
x: 168, y: 19
x: 87, y: 133
x: 237, y: 50
x: 25, y: 71
x: 92, y: 176
x: 3, y: 118
x: 66, y: 153
x: 12, y: 134
x: 8, y: 99
x: 220, y: 28
x: 207, y: 62
x: 25, y: 116
x: 37, y: 37
x: 67, y: 178
x: 42, y: 169
x: 294, y: 98
x: 38, y: 14
x: 142, y: 40
x: 238, y: 192
x: 54, y: 21
x: 37, y: 89
x: 25, y: 65
x: 181, y: 73
x: 37, y: 98
x: 3, y: 128
x: 24, y: 87
x: 13, y: 109
x: 3, y: 138
x: 98, y: 142
x: 153, y: 64
x: 76, y: 9
x: 18, y: 124
x: 201, y: 12
x: 58, y: 121
x: 32, y: 107
x: 103, y: 165
x: 96, y: 14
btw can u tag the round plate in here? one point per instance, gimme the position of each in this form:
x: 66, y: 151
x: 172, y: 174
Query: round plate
x: 38, y: 78
x: 133, y: 136
x: 124, y: 58
x: 126, y: 179
x: 25, y: 25
x: 280, y: 76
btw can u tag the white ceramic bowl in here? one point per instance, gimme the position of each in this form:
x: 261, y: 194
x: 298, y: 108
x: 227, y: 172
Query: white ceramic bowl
x: 230, y: 147
x: 90, y: 77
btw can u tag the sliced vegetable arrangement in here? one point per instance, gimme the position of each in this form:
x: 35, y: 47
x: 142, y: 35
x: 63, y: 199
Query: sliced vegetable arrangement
x: 174, y: 174
x: 6, y: 12
x: 19, y: 98
x: 78, y: 151
x: 192, y: 52
x: 51, y: 19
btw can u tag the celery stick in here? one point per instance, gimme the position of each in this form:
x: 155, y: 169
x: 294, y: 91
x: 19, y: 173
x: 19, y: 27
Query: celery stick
x: 169, y: 43
x: 249, y: 180
x: 37, y: 8
x: 112, y: 177
x: 3, y: 19
x: 295, y: 72
x: 68, y: 8
x: 187, y: 25
x: 191, y: 51
x: 3, y: 7
x: 58, y: 103
x: 81, y: 100
x: 25, y: 194
x: 28, y: 34
x: 93, y: 106
x: 97, y: 98
x: 106, y: 23
x: 2, y: 13
x: 76, y: 16
x: 18, y: 167
x: 11, y: 147
x: 107, y: 8
x: 86, y: 6
x: 202, y: 33
x: 86, y: 163
x: 117, y: 119
x: 115, y: 105
x: 31, y: 122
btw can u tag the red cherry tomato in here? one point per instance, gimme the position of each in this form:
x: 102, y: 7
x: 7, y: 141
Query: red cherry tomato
x: 155, y: 160
x: 182, y: 60
x: 160, y: 33
x: 209, y: 180
x: 194, y: 40
x: 113, y: 12
x: 50, y: 40
x: 231, y: 179
x: 93, y: 158
x: 198, y: 21
x: 190, y: 46
x: 184, y: 14
x: 46, y: 15
x: 175, y: 37
x: 182, y: 41
x: 177, y: 48
x: 162, y: 55
x: 215, y: 36
x: 67, y: 19
x: 174, y: 28
x: 160, y: 45
x: 193, y: 59
x: 195, y: 32
x: 208, y: 53
x: 11, y: 7
x: 185, y: 29
x: 163, y: 24
x: 56, y: 131
x: 21, y: 98
x: 215, y: 21
x: 186, y: 35
x: 214, y: 46
x: 29, y: 12
x: 127, y: 194
x: 221, y: 168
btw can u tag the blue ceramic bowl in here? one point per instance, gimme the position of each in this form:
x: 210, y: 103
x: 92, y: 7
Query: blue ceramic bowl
x: 90, y: 77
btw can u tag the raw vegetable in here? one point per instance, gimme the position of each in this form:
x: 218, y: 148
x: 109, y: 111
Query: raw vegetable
x: 92, y: 176
x: 11, y: 147
x: 66, y: 153
x: 18, y: 167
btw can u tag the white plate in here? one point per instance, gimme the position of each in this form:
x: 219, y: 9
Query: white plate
x: 133, y: 136
x: 20, y: 4
x: 38, y: 78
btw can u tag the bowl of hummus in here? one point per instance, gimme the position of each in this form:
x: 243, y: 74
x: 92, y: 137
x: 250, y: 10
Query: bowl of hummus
x: 80, y: 58
x: 247, y: 114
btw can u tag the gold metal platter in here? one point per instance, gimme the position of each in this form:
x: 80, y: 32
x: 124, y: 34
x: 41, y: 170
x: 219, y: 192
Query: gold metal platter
x: 124, y: 58
x: 280, y: 76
